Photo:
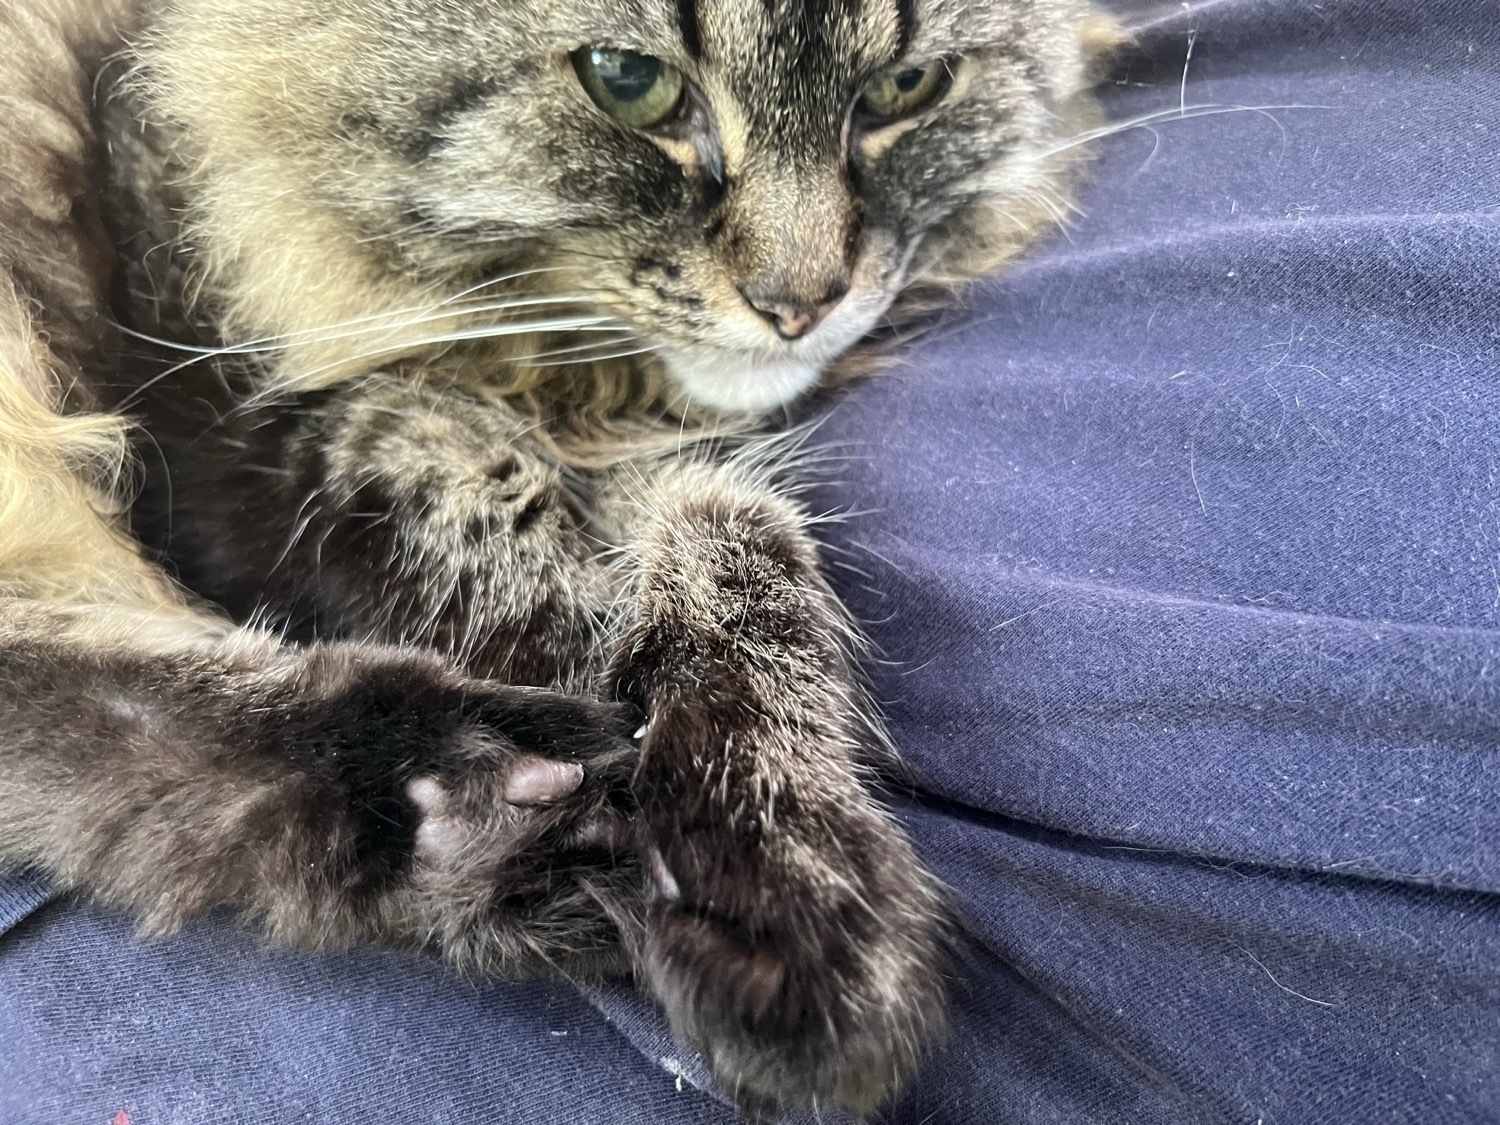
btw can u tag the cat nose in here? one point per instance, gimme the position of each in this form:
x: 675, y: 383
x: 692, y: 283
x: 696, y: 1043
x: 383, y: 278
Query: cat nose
x: 793, y: 318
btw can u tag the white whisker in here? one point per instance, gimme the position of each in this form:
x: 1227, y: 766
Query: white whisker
x: 600, y: 358
x: 625, y: 337
x: 1187, y: 62
x: 398, y: 345
x: 358, y: 326
x: 493, y: 331
x: 1176, y: 113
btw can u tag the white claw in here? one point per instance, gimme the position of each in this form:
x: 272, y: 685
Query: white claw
x: 661, y: 875
x: 640, y: 734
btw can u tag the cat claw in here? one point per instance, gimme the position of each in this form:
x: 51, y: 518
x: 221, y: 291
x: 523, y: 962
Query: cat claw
x: 662, y: 879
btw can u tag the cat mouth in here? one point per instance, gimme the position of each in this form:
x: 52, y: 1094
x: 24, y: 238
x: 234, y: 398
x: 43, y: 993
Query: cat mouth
x: 761, y: 370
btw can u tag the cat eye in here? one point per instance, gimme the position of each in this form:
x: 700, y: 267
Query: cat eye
x: 903, y: 92
x: 639, y: 90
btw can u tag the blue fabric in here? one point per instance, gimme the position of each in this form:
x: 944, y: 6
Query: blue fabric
x: 20, y: 894
x: 212, y: 1027
x: 1185, y: 556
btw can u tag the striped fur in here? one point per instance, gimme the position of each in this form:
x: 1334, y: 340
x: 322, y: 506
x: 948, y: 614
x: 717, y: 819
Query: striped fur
x: 442, y: 383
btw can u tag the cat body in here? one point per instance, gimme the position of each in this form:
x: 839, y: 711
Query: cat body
x: 453, y: 328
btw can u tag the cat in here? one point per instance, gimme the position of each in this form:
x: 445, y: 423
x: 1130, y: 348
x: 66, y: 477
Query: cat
x: 464, y: 604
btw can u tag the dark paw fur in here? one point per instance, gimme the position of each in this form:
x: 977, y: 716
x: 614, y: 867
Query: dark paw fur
x: 493, y: 822
x: 796, y: 945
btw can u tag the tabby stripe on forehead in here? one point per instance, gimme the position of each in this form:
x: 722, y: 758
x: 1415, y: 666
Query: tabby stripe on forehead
x: 687, y: 17
x: 905, y: 25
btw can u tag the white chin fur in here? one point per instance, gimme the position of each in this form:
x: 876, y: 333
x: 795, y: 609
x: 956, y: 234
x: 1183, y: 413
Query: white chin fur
x: 737, y: 383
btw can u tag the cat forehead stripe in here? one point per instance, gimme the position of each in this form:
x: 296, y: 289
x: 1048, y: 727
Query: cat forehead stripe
x: 687, y: 20
x: 905, y: 26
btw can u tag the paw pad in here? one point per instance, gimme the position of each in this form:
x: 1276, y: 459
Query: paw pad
x: 439, y: 835
x: 541, y: 781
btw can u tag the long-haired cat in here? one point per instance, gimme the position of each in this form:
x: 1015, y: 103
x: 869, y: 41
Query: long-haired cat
x: 447, y: 323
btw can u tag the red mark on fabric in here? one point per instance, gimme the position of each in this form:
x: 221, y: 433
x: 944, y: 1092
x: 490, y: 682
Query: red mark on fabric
x: 121, y: 1118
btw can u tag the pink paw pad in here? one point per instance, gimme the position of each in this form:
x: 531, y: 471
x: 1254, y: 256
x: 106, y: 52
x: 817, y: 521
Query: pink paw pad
x: 540, y: 781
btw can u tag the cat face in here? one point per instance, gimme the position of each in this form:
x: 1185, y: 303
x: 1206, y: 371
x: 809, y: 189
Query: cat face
x: 746, y: 183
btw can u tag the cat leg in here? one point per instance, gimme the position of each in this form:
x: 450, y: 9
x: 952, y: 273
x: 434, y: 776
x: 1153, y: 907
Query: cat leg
x: 391, y: 510
x: 332, y: 794
x: 792, y: 936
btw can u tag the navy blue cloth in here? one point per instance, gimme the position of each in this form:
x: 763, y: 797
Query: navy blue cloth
x: 1183, y: 550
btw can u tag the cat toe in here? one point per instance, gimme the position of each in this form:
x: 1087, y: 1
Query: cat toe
x: 607, y: 831
x: 553, y: 725
x: 541, y: 781
x: 819, y: 989
x: 438, y: 836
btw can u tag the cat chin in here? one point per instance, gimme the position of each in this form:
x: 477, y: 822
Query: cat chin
x: 736, y: 382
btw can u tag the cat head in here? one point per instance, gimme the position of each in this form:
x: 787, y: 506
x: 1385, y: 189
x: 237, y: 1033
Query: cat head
x: 748, y: 185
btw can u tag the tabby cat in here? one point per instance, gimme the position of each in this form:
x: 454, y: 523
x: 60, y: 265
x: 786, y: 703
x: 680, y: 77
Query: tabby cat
x: 454, y: 328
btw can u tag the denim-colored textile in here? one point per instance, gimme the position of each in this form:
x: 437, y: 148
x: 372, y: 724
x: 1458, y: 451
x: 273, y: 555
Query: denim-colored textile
x: 1182, y: 548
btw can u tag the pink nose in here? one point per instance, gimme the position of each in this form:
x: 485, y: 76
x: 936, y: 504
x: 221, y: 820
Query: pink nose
x: 790, y: 317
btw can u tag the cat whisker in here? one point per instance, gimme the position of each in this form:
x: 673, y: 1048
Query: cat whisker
x: 598, y: 357
x: 1055, y: 210
x: 375, y: 325
x: 355, y: 327
x: 575, y: 349
x: 396, y: 348
x: 1176, y: 113
x: 602, y: 358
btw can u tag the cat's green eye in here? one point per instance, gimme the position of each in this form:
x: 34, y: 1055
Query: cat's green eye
x: 904, y: 92
x: 639, y: 90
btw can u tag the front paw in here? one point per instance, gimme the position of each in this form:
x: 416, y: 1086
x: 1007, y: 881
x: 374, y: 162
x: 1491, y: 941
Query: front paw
x: 792, y: 937
x: 527, y: 866
x: 493, y: 822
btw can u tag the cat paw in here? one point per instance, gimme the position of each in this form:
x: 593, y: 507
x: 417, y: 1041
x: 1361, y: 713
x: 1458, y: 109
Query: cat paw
x: 792, y: 936
x: 451, y: 823
x: 442, y: 833
x: 493, y: 822
x: 526, y: 865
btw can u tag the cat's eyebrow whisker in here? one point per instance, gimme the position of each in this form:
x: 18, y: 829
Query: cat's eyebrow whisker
x: 1176, y: 113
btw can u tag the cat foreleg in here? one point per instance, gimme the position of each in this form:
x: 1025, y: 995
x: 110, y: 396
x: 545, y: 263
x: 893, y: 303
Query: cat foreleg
x: 792, y: 936
x: 333, y: 794
x: 390, y: 510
